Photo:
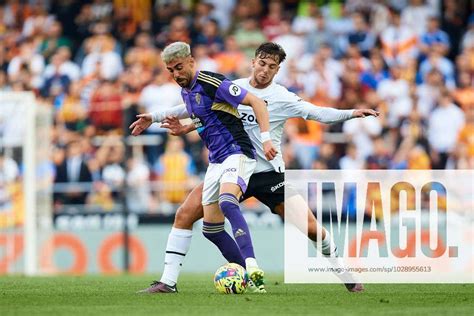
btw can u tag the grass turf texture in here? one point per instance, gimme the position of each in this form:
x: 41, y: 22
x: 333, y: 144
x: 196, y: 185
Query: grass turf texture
x: 97, y: 295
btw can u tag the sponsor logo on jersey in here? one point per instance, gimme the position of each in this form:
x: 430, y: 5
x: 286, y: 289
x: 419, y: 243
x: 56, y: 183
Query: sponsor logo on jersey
x: 276, y: 187
x: 197, y: 123
x: 248, y: 119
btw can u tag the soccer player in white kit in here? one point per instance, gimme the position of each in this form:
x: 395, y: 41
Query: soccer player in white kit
x: 267, y: 182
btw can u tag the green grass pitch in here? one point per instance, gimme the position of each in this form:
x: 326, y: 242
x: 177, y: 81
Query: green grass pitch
x: 99, y: 295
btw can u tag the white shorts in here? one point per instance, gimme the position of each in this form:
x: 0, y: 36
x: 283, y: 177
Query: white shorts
x: 235, y: 169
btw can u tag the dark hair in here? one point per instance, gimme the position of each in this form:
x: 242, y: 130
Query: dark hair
x: 272, y: 50
x: 395, y: 11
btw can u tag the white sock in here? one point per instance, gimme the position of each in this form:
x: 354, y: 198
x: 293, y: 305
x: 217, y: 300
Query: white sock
x: 251, y: 263
x: 328, y: 248
x: 179, y: 241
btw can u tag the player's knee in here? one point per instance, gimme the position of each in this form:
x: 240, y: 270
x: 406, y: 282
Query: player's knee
x: 183, y: 218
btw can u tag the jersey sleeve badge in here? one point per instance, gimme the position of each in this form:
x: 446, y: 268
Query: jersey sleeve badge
x: 235, y: 90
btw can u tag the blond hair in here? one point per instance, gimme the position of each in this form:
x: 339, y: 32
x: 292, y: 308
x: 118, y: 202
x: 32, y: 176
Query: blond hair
x: 175, y: 50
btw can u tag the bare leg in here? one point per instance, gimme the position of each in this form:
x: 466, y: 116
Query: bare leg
x: 190, y: 211
x: 298, y: 212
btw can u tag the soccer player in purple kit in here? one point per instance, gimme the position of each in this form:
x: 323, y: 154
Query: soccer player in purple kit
x: 267, y: 182
x: 211, y: 101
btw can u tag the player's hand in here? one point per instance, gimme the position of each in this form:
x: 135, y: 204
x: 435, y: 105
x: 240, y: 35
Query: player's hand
x: 174, y: 125
x: 142, y: 123
x: 269, y: 150
x: 365, y: 112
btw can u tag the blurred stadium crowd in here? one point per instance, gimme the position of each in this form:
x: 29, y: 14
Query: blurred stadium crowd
x: 96, y: 64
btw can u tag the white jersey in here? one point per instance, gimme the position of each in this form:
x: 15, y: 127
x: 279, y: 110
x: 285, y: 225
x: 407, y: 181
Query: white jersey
x: 282, y: 105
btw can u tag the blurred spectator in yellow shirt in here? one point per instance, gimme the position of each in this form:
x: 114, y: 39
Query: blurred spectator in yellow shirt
x: 464, y: 94
x: 175, y: 169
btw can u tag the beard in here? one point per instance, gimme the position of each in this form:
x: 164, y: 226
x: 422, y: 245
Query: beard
x: 182, y: 82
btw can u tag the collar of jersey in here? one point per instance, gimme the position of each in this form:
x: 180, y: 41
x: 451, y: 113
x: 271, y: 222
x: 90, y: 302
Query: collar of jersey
x: 194, y: 81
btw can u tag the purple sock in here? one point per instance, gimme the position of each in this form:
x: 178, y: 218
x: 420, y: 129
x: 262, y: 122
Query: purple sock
x: 216, y: 233
x: 230, y: 207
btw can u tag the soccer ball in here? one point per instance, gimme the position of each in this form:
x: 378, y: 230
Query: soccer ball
x: 231, y: 278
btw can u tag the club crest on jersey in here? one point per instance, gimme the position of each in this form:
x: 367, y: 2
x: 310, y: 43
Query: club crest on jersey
x: 197, y: 97
x: 235, y: 90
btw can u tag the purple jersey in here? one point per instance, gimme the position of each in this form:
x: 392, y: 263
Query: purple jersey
x: 212, y: 103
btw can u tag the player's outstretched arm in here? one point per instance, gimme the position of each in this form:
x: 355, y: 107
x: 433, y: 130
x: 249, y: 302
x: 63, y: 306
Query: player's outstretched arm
x: 260, y: 109
x: 145, y: 120
x: 364, y: 113
x: 176, y: 128
x: 328, y: 115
